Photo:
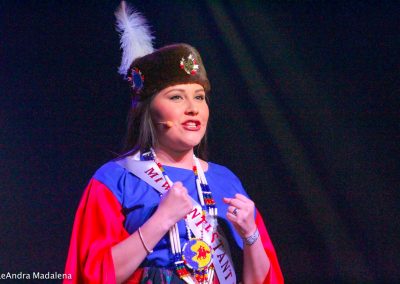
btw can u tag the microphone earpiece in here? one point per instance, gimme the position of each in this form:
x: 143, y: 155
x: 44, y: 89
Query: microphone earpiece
x: 167, y: 123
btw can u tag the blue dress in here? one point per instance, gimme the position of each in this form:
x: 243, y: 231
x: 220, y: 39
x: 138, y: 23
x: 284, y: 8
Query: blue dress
x: 139, y: 201
x: 116, y: 202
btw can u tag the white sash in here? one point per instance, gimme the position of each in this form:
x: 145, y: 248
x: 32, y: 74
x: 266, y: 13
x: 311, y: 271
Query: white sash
x: 149, y: 172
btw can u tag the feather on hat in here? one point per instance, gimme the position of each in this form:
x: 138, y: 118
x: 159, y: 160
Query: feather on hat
x: 147, y: 70
x: 136, y: 39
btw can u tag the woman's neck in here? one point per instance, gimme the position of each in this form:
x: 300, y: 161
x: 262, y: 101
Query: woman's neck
x: 168, y: 157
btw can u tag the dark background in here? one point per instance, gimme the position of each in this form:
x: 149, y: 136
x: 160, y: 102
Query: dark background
x: 304, y: 109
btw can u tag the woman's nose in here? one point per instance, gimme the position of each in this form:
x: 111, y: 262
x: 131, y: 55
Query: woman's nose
x: 191, y: 108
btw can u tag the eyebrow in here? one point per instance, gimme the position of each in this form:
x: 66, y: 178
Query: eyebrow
x: 183, y: 91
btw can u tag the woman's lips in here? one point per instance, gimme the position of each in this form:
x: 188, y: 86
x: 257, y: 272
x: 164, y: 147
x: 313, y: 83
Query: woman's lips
x: 192, y: 125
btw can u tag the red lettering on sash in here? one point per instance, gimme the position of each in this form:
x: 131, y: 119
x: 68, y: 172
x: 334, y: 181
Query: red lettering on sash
x: 203, y: 220
x: 157, y: 180
x: 166, y: 185
x: 150, y: 173
x: 229, y: 275
x: 226, y: 266
x: 221, y: 256
x: 194, y: 214
x: 208, y: 228
x: 220, y: 244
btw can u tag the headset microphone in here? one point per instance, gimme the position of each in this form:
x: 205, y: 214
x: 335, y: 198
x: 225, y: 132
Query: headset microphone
x: 167, y: 123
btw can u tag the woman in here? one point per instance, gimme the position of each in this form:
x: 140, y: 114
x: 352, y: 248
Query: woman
x: 155, y: 215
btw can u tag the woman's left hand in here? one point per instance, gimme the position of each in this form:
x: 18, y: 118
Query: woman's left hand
x: 241, y: 214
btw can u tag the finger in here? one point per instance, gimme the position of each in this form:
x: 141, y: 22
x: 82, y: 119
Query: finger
x: 227, y: 200
x: 180, y: 188
x: 231, y: 218
x: 241, y: 197
x: 177, y: 184
x: 237, y: 203
x: 233, y: 210
x: 233, y: 201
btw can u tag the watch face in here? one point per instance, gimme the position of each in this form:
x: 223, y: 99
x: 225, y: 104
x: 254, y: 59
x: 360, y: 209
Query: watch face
x: 197, y: 254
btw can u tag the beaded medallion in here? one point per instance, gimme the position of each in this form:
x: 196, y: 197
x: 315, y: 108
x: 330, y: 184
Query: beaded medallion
x: 196, y: 254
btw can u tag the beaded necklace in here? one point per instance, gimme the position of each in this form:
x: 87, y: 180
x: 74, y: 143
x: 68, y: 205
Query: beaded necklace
x: 184, y: 258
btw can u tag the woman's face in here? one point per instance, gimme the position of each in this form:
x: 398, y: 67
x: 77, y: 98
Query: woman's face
x: 185, y: 107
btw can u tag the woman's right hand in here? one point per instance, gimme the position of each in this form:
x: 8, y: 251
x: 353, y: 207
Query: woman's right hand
x: 129, y: 253
x: 175, y: 204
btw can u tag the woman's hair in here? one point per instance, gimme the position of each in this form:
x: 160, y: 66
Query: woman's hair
x: 141, y: 134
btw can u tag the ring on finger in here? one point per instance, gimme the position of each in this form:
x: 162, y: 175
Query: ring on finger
x: 235, y: 211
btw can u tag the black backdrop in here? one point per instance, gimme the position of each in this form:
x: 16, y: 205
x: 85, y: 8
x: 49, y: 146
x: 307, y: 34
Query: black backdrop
x: 303, y: 109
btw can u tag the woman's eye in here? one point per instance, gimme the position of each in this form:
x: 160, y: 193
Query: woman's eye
x: 175, y: 97
x: 201, y: 97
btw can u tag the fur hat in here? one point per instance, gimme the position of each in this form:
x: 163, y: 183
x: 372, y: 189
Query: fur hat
x: 167, y: 66
x: 148, y: 70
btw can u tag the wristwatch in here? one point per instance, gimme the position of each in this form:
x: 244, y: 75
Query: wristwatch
x: 252, y: 239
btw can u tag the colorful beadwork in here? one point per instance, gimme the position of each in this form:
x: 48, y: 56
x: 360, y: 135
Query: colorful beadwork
x: 189, y: 65
x: 180, y: 267
x: 207, y: 196
x: 196, y: 253
x: 136, y: 79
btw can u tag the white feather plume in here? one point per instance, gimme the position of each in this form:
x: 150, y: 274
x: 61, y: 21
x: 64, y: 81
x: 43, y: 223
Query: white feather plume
x: 136, y: 39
